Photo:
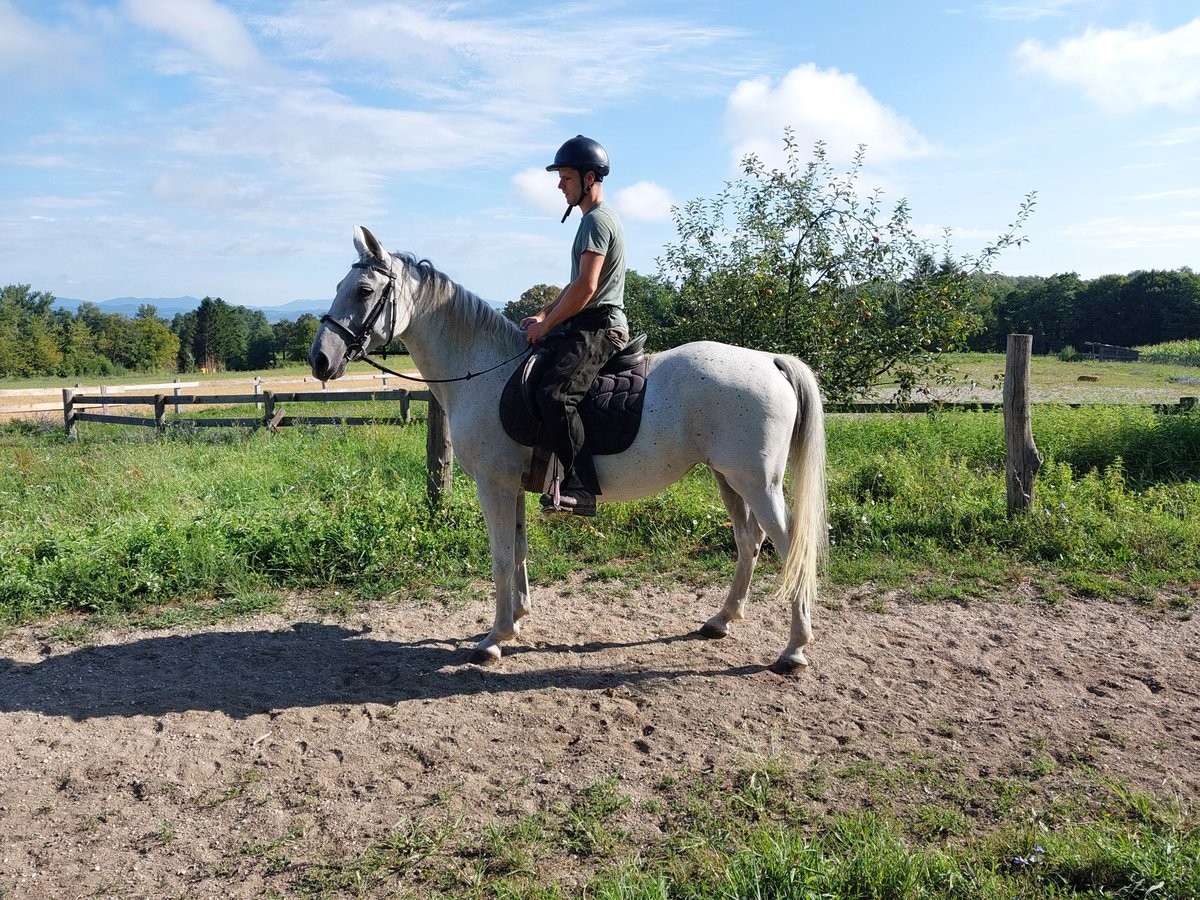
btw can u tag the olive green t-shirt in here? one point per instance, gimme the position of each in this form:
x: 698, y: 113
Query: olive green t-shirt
x: 601, y: 232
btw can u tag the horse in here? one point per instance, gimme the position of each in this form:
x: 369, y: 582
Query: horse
x: 749, y: 416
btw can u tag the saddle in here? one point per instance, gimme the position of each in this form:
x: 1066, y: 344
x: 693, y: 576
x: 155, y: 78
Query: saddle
x: 611, y: 410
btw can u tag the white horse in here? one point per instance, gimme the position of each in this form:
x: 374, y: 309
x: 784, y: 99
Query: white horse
x: 743, y: 413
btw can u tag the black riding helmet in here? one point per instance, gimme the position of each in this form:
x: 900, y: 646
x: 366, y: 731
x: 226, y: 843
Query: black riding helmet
x: 583, y: 155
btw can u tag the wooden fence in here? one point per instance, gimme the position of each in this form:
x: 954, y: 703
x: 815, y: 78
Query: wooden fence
x: 79, y: 405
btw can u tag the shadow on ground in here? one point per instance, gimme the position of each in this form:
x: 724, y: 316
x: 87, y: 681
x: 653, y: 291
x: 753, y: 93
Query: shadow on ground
x: 309, y: 665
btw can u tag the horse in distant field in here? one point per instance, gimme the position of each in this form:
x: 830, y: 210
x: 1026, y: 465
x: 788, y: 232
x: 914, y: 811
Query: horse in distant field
x: 743, y: 413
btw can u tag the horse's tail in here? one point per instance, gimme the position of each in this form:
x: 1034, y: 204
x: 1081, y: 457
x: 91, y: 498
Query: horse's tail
x: 810, y: 529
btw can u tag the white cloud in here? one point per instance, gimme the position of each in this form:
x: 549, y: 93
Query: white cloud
x: 818, y: 104
x: 84, y: 201
x: 1173, y: 138
x: 539, y: 189
x: 1120, y: 233
x: 551, y: 60
x: 33, y: 49
x: 644, y: 202
x: 1180, y: 194
x: 1031, y: 9
x: 1123, y: 70
x: 204, y: 27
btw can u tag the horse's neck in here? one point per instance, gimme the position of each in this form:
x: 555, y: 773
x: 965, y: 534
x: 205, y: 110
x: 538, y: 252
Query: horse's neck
x: 445, y: 343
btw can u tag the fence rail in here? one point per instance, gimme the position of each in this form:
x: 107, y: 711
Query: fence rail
x: 79, y: 406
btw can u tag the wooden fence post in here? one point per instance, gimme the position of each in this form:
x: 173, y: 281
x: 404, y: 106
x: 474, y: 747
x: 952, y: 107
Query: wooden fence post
x: 69, y: 414
x: 1023, y: 459
x: 439, y: 455
x: 160, y: 412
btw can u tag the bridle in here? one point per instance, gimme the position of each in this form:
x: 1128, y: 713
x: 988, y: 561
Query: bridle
x: 356, y: 344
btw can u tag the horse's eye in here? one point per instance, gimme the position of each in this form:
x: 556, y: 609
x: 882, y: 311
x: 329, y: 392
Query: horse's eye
x: 365, y: 290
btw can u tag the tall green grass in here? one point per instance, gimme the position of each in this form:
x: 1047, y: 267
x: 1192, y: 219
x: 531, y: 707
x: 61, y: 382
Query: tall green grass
x: 1185, y: 353
x: 1119, y: 489
x: 123, y: 520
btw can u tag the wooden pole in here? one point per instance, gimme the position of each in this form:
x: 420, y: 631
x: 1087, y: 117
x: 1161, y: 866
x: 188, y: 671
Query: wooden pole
x: 1022, y: 454
x: 439, y: 455
x: 160, y: 412
x: 69, y: 414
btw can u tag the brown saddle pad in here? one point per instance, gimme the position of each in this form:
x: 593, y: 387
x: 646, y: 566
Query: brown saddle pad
x: 611, y: 410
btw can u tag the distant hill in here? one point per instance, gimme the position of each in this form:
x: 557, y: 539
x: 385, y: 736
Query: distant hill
x: 168, y: 307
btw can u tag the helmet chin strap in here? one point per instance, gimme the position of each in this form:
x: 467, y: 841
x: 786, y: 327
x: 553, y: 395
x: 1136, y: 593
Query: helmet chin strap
x: 583, y: 192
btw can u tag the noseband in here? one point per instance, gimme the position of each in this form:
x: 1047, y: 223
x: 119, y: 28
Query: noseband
x: 356, y: 344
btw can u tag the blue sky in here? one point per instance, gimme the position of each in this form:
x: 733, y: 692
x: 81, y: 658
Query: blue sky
x: 158, y: 148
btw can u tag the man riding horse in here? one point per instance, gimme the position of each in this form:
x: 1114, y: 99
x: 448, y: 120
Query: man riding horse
x: 584, y: 326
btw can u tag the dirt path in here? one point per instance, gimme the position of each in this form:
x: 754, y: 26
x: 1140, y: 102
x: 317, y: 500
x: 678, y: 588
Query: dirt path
x: 148, y: 764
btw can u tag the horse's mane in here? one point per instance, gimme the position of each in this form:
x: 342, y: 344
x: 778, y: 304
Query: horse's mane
x: 436, y: 288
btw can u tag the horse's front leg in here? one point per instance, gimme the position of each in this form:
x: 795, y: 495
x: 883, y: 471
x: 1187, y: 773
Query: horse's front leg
x: 512, y: 592
x: 522, y: 605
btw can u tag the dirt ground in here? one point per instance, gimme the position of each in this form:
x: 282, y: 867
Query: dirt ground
x: 146, y: 764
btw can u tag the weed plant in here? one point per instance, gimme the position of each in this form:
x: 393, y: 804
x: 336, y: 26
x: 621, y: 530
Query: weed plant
x: 756, y: 834
x: 124, y: 520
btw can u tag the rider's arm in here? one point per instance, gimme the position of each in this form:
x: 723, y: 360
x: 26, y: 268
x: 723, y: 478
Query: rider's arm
x: 573, y: 299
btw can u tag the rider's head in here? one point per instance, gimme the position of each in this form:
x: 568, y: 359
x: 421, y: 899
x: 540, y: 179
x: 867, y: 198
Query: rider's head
x: 587, y: 159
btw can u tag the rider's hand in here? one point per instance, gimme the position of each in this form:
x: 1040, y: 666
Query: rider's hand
x: 534, y: 328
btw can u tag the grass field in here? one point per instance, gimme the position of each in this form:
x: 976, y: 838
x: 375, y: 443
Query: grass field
x: 195, y: 527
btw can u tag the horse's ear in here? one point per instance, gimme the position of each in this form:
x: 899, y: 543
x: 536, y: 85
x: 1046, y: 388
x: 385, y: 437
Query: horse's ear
x: 367, y: 244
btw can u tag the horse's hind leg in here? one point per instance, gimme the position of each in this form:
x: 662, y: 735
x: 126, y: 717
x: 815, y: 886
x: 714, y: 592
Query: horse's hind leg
x: 769, y: 508
x: 749, y: 537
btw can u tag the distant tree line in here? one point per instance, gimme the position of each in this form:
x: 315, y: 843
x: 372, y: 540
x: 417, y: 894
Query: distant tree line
x: 1135, y: 310
x: 38, y: 340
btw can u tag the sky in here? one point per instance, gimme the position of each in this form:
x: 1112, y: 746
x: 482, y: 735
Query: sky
x: 162, y: 148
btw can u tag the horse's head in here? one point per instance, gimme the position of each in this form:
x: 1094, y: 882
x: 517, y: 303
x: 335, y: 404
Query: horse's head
x: 367, y: 312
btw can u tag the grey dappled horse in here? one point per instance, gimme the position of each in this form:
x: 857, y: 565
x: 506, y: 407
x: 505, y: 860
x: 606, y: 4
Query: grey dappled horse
x: 743, y: 413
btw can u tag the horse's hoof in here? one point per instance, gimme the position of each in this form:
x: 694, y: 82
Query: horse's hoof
x: 486, y: 656
x: 713, y: 630
x: 790, y: 663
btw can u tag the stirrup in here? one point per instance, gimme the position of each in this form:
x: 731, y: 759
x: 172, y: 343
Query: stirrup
x: 576, y: 502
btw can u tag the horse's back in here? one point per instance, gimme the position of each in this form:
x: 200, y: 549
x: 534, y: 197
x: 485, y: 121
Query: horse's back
x: 706, y: 403
x: 704, y: 372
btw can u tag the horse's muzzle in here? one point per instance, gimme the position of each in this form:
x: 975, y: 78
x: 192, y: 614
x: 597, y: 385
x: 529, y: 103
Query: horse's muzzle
x: 323, y: 368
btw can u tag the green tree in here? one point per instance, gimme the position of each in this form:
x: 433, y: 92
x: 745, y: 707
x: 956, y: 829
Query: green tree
x: 183, y: 326
x: 1046, y: 308
x: 220, y: 335
x: 795, y: 261
x: 1165, y: 306
x: 534, y: 299
x: 1102, y: 317
x: 155, y: 346
x: 30, y: 335
x: 650, y: 305
x: 294, y: 339
x: 80, y: 355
